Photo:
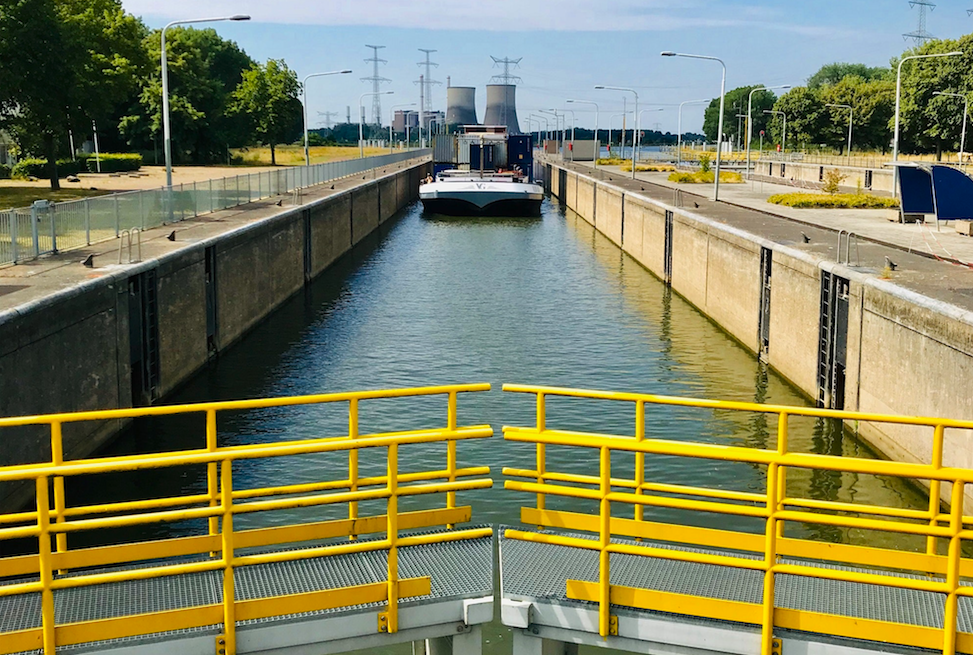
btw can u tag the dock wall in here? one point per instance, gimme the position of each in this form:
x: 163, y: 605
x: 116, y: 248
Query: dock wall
x: 811, y: 176
x: 134, y: 335
x: 902, y: 353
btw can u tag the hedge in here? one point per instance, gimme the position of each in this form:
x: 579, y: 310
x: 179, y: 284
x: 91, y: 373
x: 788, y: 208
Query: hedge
x: 833, y: 201
x: 706, y: 177
x: 35, y: 167
x: 116, y: 162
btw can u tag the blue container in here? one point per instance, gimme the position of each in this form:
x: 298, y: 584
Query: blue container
x: 520, y: 153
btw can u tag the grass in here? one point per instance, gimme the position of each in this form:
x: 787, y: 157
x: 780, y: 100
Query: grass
x: 614, y: 161
x: 833, y: 201
x: 294, y: 155
x: 708, y: 177
x: 648, y: 168
x: 22, y: 196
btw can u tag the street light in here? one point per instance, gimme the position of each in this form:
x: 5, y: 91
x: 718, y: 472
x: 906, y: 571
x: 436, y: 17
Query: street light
x: 783, y: 133
x: 635, y: 138
x: 750, y: 117
x: 898, y: 96
x: 597, y: 145
x: 851, y: 118
x: 361, y: 119
x: 392, y: 119
x: 166, y: 127
x: 679, y: 129
x: 307, y: 152
x: 640, y: 134
x: 547, y: 124
x: 610, y: 120
x: 719, y: 129
x: 557, y: 124
x: 966, y: 108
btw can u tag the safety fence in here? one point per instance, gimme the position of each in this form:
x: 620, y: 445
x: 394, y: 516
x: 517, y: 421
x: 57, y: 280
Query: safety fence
x: 54, y: 227
x: 220, y: 546
x: 762, y: 550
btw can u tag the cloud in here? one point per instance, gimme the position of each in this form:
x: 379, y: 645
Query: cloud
x: 496, y: 15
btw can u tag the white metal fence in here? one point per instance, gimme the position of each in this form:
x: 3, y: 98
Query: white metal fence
x: 54, y: 227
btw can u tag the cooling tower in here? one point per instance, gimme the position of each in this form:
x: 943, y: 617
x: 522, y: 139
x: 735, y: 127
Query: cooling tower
x: 502, y: 107
x: 461, y: 105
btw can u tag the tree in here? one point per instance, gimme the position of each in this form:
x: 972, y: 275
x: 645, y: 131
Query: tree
x: 64, y: 63
x: 805, y: 114
x: 736, y: 103
x: 268, y: 97
x: 834, y: 73
x: 204, y: 69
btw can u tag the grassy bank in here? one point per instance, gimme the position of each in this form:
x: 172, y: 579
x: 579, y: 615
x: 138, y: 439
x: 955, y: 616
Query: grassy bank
x: 22, y: 196
x: 833, y: 201
x: 294, y: 155
x: 706, y: 177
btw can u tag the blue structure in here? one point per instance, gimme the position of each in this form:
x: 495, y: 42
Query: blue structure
x: 943, y: 191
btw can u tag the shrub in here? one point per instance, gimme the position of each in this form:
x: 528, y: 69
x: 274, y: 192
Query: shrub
x: 704, y: 166
x: 832, y: 181
x: 4, y: 172
x: 833, y: 201
x: 36, y: 167
x: 614, y: 161
x: 648, y: 168
x: 116, y: 162
x: 706, y: 177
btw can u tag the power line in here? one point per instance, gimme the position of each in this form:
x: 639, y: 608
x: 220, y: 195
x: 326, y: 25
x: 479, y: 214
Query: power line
x: 428, y: 81
x: 507, y: 78
x: 920, y: 35
x: 376, y: 81
x: 328, y: 115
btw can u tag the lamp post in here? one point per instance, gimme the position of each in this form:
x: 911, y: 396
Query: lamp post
x: 574, y: 122
x: 750, y: 117
x: 597, y: 144
x: 719, y: 129
x: 783, y: 134
x: 640, y: 135
x: 361, y: 119
x: 94, y: 132
x: 307, y: 151
x: 679, y: 128
x: 553, y: 112
x: 547, y: 124
x: 166, y: 126
x: 966, y: 108
x: 610, y: 119
x: 898, y: 97
x: 635, y: 138
x: 392, y: 119
x: 851, y: 118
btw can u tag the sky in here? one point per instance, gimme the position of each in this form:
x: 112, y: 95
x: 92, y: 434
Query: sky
x: 566, y: 47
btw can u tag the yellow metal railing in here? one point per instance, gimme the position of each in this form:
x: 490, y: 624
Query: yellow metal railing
x: 224, y: 548
x: 774, y: 508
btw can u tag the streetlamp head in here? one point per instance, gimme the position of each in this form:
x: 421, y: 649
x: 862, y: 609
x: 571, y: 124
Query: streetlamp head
x: 668, y: 53
x: 600, y: 86
x: 954, y: 53
x: 240, y: 17
x: 785, y: 86
x: 345, y: 72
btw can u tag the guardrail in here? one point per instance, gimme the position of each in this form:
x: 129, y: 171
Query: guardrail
x: 45, y: 228
x: 222, y: 547
x: 774, y: 508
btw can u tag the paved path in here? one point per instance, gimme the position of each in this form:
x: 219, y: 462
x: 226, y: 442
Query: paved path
x: 912, y: 247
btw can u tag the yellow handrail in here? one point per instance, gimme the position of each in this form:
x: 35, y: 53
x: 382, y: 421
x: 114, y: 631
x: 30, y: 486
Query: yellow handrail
x: 223, y: 547
x: 774, y: 507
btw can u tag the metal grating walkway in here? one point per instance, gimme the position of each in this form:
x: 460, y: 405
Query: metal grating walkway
x: 458, y: 570
x: 534, y: 571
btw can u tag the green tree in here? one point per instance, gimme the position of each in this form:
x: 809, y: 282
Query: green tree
x: 873, y: 103
x: 736, y: 103
x: 806, y: 117
x: 64, y: 63
x: 834, y: 73
x: 204, y: 69
x: 268, y: 97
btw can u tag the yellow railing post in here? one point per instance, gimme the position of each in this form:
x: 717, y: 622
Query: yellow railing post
x: 229, y: 599
x: 952, y: 571
x: 451, y: 451
x: 935, y: 486
x: 45, y: 565
x: 392, y: 511
x: 212, y: 473
x: 541, y: 454
x: 353, y: 459
x: 604, y: 557
x: 57, y: 458
x: 639, y: 456
x: 774, y: 498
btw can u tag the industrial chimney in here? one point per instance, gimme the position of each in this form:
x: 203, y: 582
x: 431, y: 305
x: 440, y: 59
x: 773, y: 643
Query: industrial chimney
x: 502, y: 107
x: 461, y: 105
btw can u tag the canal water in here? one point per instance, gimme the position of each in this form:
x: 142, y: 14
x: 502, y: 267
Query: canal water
x: 436, y: 300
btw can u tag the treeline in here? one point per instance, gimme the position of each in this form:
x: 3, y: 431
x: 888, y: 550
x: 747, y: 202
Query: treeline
x: 929, y: 123
x: 66, y: 65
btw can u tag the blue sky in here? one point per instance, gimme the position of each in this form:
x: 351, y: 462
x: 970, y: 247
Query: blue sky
x: 567, y: 46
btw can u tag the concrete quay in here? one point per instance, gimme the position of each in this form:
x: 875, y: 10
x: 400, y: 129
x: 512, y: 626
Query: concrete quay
x: 74, y: 338
x: 840, y: 333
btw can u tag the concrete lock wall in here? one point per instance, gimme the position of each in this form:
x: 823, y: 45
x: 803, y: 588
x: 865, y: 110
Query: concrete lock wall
x: 906, y: 354
x: 807, y: 175
x: 73, y: 351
